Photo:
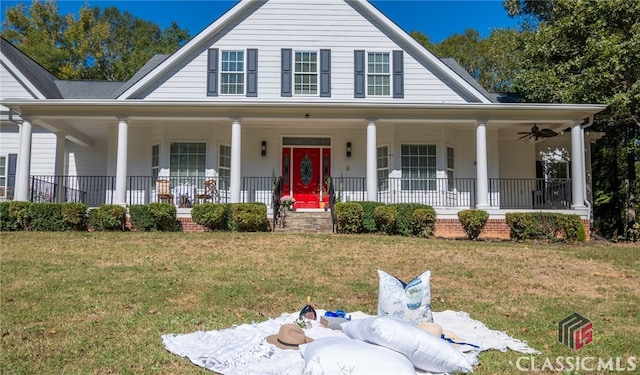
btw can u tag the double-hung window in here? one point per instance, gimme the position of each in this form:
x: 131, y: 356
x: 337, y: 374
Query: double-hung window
x: 232, y: 73
x: 306, y: 73
x: 450, y: 168
x: 187, y: 159
x: 3, y: 176
x: 155, y: 161
x: 418, y: 167
x: 224, y: 167
x: 378, y: 74
x: 383, y: 168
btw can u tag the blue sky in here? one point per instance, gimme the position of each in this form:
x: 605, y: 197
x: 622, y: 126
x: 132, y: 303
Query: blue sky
x: 436, y: 18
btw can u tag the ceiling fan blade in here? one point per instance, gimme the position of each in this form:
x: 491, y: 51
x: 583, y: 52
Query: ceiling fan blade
x: 525, y: 136
x: 524, y: 132
x: 547, y: 133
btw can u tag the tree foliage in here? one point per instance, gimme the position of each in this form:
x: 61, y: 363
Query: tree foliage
x: 588, y: 52
x: 104, y: 45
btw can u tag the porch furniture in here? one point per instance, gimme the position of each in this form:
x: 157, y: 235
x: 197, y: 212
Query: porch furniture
x: 210, y: 192
x: 185, y: 195
x: 163, y: 190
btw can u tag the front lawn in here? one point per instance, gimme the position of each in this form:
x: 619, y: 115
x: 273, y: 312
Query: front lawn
x: 82, y: 303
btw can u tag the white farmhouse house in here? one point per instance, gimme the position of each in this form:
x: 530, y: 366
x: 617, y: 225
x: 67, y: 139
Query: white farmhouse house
x: 291, y: 95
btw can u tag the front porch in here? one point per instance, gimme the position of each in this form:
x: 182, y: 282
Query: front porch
x: 440, y: 193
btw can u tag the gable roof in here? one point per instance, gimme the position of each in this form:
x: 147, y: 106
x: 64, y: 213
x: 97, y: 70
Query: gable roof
x: 38, y: 76
x: 244, y: 8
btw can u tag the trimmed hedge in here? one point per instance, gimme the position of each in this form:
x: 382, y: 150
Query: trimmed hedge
x: 43, y: 216
x: 154, y: 217
x: 349, y: 217
x: 249, y: 217
x: 369, y: 215
x: 545, y: 226
x: 109, y: 217
x: 386, y: 219
x: 404, y: 220
x: 473, y: 222
x: 213, y: 216
x: 424, y: 222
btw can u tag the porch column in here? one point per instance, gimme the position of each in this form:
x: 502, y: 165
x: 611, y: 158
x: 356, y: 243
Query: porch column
x: 121, y: 163
x: 372, y: 166
x: 481, y: 164
x: 24, y: 162
x: 577, y: 167
x: 59, y: 168
x: 236, y: 162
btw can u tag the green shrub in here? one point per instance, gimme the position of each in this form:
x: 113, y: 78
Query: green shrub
x: 8, y: 222
x: 404, y: 219
x: 385, y: 217
x: 141, y: 218
x: 46, y: 217
x: 545, y: 226
x: 75, y: 215
x: 473, y: 221
x: 348, y: 217
x: 211, y: 215
x: 164, y: 216
x: 424, y: 222
x: 18, y: 210
x: 250, y: 217
x: 368, y: 215
x: 108, y: 217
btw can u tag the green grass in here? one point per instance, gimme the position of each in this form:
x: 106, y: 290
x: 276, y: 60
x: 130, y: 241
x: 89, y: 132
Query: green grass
x: 98, y: 303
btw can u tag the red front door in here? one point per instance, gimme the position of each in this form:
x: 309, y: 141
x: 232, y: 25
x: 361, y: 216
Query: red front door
x: 303, y: 171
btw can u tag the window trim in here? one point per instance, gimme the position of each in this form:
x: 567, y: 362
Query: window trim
x: 236, y: 72
x: 295, y: 72
x: 384, y: 186
x: 450, y: 170
x: 222, y: 180
x: 388, y: 74
x: 155, y: 169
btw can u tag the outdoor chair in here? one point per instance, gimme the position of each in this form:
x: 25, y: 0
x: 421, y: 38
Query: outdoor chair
x: 163, y: 189
x: 210, y: 193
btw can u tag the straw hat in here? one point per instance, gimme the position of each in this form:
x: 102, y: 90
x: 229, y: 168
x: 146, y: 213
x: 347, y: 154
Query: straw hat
x: 289, y: 337
x: 436, y: 330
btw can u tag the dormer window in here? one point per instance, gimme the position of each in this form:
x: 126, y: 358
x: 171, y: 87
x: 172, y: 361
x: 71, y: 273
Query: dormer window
x: 306, y: 73
x: 232, y: 73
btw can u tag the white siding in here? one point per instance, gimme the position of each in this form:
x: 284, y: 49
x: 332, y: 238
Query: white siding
x: 303, y: 25
x: 43, y: 148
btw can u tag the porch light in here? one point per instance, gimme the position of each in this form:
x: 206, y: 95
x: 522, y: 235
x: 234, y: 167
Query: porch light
x: 348, y: 149
x: 263, y: 148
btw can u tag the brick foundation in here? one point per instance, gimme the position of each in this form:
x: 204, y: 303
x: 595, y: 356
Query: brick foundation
x: 445, y: 228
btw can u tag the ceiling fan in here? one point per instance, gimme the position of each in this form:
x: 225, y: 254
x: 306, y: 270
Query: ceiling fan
x: 538, y: 133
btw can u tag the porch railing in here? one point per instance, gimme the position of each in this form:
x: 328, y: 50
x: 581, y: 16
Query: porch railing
x: 461, y: 193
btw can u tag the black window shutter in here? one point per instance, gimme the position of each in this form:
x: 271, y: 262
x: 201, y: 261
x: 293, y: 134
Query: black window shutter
x: 325, y: 72
x: 252, y: 72
x: 11, y: 172
x: 359, y: 74
x: 286, y: 82
x: 212, y: 72
x: 398, y: 74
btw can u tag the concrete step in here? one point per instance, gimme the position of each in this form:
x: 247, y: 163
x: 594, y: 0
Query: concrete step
x: 318, y: 221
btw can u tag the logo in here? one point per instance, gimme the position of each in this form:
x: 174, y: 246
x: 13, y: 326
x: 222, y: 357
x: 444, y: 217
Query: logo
x: 575, y: 331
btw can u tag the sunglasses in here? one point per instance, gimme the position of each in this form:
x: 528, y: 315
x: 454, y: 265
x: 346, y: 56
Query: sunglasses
x: 308, y: 312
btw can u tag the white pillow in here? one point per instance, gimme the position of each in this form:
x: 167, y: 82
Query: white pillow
x: 410, y: 301
x: 425, y: 351
x: 342, y: 355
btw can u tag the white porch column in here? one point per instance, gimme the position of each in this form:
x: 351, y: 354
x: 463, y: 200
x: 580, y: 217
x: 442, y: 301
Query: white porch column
x: 236, y: 162
x: 121, y: 162
x: 577, y: 167
x: 481, y: 164
x: 372, y: 166
x: 24, y: 162
x: 59, y: 168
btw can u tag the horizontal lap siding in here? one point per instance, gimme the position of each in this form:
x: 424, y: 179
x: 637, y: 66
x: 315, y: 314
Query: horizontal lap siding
x: 304, y: 26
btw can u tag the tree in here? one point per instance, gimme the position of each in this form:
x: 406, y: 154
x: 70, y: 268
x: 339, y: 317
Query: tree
x: 588, y: 52
x: 107, y: 45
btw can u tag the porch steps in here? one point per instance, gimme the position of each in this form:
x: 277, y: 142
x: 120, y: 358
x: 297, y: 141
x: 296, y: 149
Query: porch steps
x: 306, y: 222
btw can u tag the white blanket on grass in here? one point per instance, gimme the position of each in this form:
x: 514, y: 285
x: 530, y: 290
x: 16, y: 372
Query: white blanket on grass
x: 243, y: 350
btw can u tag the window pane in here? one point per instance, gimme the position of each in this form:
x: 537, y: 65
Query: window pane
x: 418, y: 167
x: 306, y: 73
x: 185, y: 159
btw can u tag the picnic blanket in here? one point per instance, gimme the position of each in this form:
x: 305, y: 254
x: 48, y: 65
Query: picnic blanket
x: 242, y: 349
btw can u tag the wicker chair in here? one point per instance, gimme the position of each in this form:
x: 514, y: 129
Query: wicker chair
x: 163, y: 189
x: 210, y: 192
